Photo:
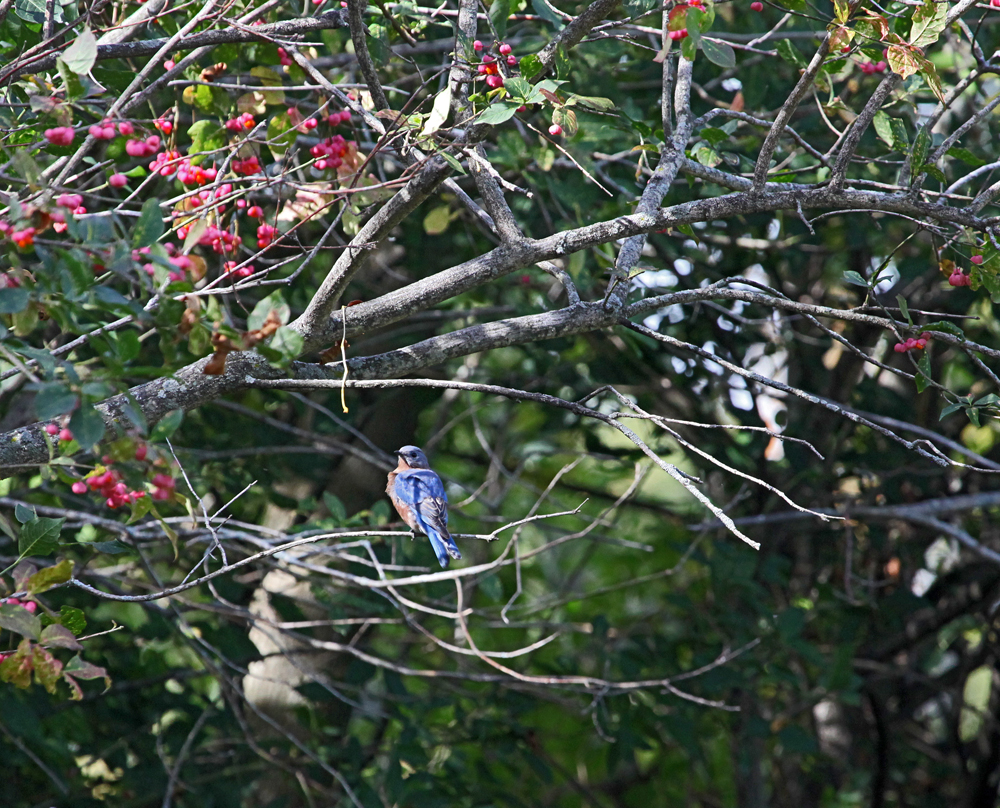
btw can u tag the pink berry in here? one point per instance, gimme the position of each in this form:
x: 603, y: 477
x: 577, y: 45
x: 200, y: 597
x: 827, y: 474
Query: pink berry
x: 477, y: 46
x: 555, y: 130
x: 899, y: 347
x: 65, y: 434
x: 255, y: 212
x: 925, y: 336
x: 169, y: 64
x: 512, y: 60
x: 79, y: 487
x: 51, y: 429
x: 125, y: 128
x: 345, y: 115
x: 920, y: 344
x: 494, y: 82
x: 505, y: 49
x: 957, y: 279
x: 977, y: 260
x: 117, y: 180
x: 757, y: 6
x: 60, y: 135
x: 140, y: 451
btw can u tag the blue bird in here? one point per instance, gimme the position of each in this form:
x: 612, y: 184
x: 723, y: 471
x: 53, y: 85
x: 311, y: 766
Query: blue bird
x: 418, y: 496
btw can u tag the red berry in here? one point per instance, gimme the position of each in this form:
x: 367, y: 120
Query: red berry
x: 140, y: 451
x: 757, y: 6
x: 555, y: 130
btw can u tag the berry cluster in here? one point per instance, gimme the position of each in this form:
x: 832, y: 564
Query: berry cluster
x: 143, y: 148
x: 108, y: 483
x: 331, y: 152
x: 911, y: 344
x: 265, y: 235
x: 105, y: 130
x: 490, y: 67
x: 244, y: 121
x: 247, y: 167
x: 874, y: 67
x: 60, y: 135
x: 64, y: 434
x: 959, y: 278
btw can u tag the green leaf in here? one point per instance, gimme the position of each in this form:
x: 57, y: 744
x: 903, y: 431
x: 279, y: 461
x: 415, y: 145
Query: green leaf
x: 594, y: 102
x: 54, y: 399
x: 167, y: 426
x: 921, y: 147
x: 975, y: 703
x: 276, y: 301
x: 207, y: 136
x: 14, y: 300
x: 72, y: 618
x: 892, y: 131
x: 948, y: 328
x: 27, y: 168
x: 499, y: 13
x: 24, y: 514
x: 949, y: 410
x: 787, y: 51
x: 34, y: 11
x: 904, y: 309
x: 566, y: 118
x: 149, y: 227
x: 281, y: 134
x: 453, y: 162
x: 288, y: 341
x: 519, y: 89
x: 545, y: 10
x: 49, y: 577
x: 855, y: 278
x: 40, y: 536
x: 87, y: 425
x: 922, y: 382
x: 965, y: 156
x: 20, y: 621
x: 530, y: 66
x: 81, y: 55
x: 719, y: 53
x: 57, y: 636
x: 335, y: 507
x: 933, y: 171
x: 84, y: 670
x: 927, y: 23
x: 924, y: 363
x: 973, y: 415
x: 498, y: 113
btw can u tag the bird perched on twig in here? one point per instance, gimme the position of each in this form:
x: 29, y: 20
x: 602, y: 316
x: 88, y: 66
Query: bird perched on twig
x: 418, y: 496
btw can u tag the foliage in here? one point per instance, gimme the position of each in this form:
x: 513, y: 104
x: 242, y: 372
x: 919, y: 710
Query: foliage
x: 230, y: 255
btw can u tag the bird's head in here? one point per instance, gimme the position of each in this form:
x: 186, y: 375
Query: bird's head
x: 414, y: 457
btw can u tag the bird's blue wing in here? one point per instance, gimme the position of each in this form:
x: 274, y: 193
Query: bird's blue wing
x: 424, y: 492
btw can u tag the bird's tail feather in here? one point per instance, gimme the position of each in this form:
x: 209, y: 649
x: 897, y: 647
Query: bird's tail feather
x: 444, y: 546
